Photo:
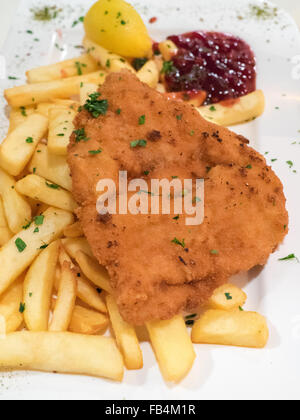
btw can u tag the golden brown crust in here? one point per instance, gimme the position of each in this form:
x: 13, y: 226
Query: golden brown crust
x: 245, y: 215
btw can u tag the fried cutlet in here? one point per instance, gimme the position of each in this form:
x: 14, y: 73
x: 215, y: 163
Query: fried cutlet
x: 152, y: 276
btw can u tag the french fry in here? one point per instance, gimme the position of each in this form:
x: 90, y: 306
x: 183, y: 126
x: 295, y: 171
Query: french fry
x: 125, y: 336
x: 149, y: 74
x: 51, y: 167
x: 73, y: 245
x: 47, y: 91
x: 86, y: 89
x: 68, y: 68
x: 68, y: 103
x: 96, y: 273
x: 44, y: 108
x: 38, y: 287
x: 173, y: 347
x: 227, y: 298
x: 18, y: 147
x: 66, y: 299
x: 10, y: 306
x: 40, y: 189
x: 62, y: 352
x: 23, y: 248
x: 16, y: 208
x: 88, y: 294
x: 73, y: 231
x: 5, y: 232
x: 19, y: 116
x: 86, y: 321
x: 242, y: 329
x: 168, y: 49
x: 111, y: 62
x: 237, y: 111
x: 60, y: 129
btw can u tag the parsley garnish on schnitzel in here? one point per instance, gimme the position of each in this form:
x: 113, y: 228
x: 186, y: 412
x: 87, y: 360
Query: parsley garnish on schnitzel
x: 80, y: 135
x: 178, y: 242
x: 95, y: 106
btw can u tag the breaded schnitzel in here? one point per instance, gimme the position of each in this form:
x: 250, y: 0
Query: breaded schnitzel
x: 245, y: 215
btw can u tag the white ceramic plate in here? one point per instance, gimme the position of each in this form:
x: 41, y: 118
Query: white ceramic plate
x: 219, y: 372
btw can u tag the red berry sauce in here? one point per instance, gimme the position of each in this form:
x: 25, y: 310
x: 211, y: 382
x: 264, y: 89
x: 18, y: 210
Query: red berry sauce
x: 221, y: 64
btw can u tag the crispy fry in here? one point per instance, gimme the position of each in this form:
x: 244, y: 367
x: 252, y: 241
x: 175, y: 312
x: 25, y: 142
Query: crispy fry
x: 60, y: 129
x: 168, y: 49
x: 126, y: 337
x: 44, y: 92
x: 69, y: 68
x: 73, y: 245
x: 38, y: 287
x: 52, y: 167
x: 173, y: 347
x: 10, y: 306
x: 18, y: 147
x: 66, y: 299
x: 242, y: 329
x: 237, y: 111
x: 16, y: 208
x: 18, y: 116
x: 62, y: 352
x: 89, y: 295
x: 5, y: 232
x: 93, y: 271
x: 111, y: 62
x: 73, y: 231
x: 40, y: 189
x: 21, y: 250
x: 149, y: 74
x: 86, y: 321
x: 227, y: 297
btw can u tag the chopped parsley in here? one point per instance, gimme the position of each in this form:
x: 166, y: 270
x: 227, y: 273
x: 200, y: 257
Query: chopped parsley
x: 189, y: 322
x: 23, y: 111
x: 241, y: 309
x: 138, y: 143
x: 289, y: 257
x: 107, y: 64
x: 123, y: 22
x: 95, y: 152
x: 179, y: 117
x: 212, y: 108
x: 168, y: 67
x: 138, y: 63
x: 45, y: 13
x: 25, y: 227
x: 39, y: 220
x: 22, y: 308
x: 29, y: 140
x: 12, y: 78
x: 146, y: 173
x: 53, y: 186
x: 80, y: 135
x: 95, y: 106
x: 44, y: 246
x: 228, y: 296
x: 118, y: 111
x: 36, y: 230
x: 60, y: 135
x: 249, y: 167
x: 79, y: 67
x: 290, y: 163
x: 176, y: 218
x: 178, y: 242
x: 142, y: 119
x: 20, y: 244
x: 75, y: 23
x: 214, y: 252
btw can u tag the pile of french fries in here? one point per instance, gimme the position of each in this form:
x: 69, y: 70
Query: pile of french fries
x: 56, y: 302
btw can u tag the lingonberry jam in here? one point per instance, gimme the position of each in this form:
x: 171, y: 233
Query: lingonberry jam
x: 220, y: 64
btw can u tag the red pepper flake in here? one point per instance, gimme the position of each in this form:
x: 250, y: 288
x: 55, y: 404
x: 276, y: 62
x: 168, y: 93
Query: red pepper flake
x: 153, y: 20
